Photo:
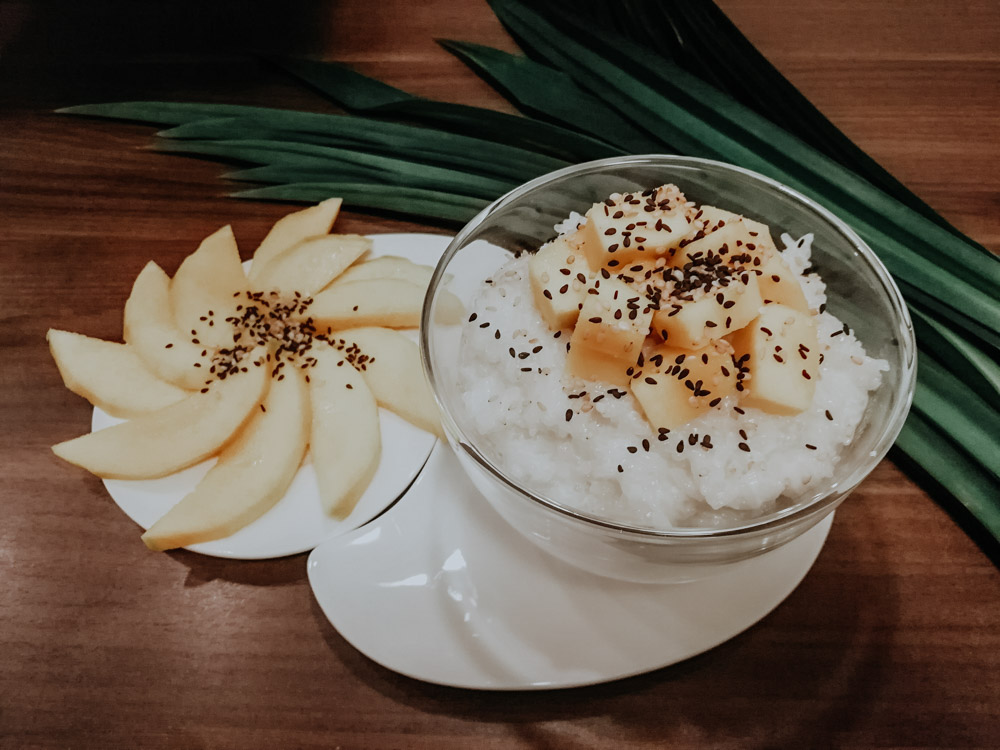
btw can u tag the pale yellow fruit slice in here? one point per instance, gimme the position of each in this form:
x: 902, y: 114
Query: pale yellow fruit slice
x: 252, y: 474
x: 202, y: 291
x: 150, y: 329
x: 290, y: 230
x: 390, y: 303
x: 312, y: 264
x: 345, y: 440
x: 390, y: 364
x: 388, y: 267
x: 162, y: 442
x: 110, y: 376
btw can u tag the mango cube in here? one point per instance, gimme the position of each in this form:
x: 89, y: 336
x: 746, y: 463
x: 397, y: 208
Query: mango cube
x: 731, y: 244
x: 559, y: 279
x: 676, y: 386
x: 692, y: 324
x: 714, y: 218
x: 625, y: 231
x: 778, y: 359
x: 609, y: 333
x: 779, y: 285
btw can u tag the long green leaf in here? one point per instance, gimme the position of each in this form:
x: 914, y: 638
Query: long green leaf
x: 359, y: 93
x: 195, y: 120
x: 428, y: 204
x: 281, y: 174
x: 962, y: 358
x: 307, y: 155
x: 962, y: 477
x: 943, y: 399
x: 422, y: 149
x: 544, y: 92
x: 724, y: 57
x: 917, y: 299
x: 159, y: 113
x: 683, y: 107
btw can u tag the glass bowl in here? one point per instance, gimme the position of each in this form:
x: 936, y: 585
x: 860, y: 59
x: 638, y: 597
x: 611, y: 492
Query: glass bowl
x: 859, y: 291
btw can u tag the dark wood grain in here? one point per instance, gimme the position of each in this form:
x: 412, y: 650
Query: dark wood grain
x: 892, y: 640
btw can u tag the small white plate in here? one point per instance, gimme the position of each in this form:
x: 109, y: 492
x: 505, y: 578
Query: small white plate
x: 297, y: 522
x: 441, y: 589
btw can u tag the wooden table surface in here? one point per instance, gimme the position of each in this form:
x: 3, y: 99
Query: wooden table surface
x: 892, y: 640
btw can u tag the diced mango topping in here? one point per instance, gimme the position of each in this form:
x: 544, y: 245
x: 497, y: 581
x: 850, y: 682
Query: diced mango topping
x: 559, y: 280
x: 675, y: 386
x: 609, y: 333
x: 731, y: 244
x: 634, y: 227
x: 778, y: 284
x: 692, y: 322
x: 778, y: 359
x: 687, y: 305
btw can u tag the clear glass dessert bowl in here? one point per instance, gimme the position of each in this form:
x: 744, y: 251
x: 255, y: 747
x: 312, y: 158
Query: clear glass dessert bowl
x: 860, y: 292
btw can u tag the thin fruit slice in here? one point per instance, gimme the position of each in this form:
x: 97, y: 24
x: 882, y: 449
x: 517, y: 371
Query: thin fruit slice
x: 202, y: 291
x: 390, y: 303
x: 312, y: 264
x: 149, y: 328
x: 162, y: 442
x: 110, y: 376
x: 345, y: 440
x: 388, y: 267
x: 290, y: 230
x: 252, y: 474
x: 390, y: 364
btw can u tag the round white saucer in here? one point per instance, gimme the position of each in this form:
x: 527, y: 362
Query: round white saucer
x: 297, y: 522
x: 441, y: 589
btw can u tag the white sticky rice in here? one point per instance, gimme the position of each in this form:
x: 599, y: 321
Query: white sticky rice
x: 516, y: 405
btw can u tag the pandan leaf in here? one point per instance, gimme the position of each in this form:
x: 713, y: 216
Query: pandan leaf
x: 917, y: 299
x: 358, y: 93
x: 412, y: 201
x: 705, y: 122
x: 976, y: 368
x: 308, y: 155
x: 945, y: 400
x: 279, y: 174
x: 963, y: 478
x: 716, y: 51
x: 159, y: 113
x: 546, y: 93
x: 507, y: 167
x: 231, y: 122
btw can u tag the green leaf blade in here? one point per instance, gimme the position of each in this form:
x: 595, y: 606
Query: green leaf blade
x: 544, y: 92
x: 422, y: 204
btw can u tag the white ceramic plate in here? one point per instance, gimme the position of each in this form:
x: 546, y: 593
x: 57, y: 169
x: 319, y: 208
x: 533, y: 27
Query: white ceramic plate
x: 297, y: 523
x: 441, y: 589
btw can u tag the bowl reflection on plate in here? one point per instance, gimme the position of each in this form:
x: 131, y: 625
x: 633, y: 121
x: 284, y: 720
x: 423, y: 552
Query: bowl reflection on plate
x: 859, y: 290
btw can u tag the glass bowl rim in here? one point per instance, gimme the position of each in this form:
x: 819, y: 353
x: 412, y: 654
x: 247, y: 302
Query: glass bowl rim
x: 770, y: 523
